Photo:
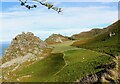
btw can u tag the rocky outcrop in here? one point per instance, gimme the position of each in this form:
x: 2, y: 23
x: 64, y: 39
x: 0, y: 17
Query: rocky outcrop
x: 23, y: 44
x: 108, y: 75
x: 20, y: 60
x: 56, y: 38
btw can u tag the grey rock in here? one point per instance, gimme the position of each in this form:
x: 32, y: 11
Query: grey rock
x: 23, y: 44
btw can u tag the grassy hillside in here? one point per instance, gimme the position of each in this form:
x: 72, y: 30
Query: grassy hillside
x: 88, y: 34
x: 65, y: 64
x: 103, y: 42
x: 41, y: 70
x: 60, y: 48
x: 68, y: 63
x: 79, y: 63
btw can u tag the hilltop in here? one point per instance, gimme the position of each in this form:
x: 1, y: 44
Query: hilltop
x: 88, y: 34
x: 56, y: 38
x: 23, y: 44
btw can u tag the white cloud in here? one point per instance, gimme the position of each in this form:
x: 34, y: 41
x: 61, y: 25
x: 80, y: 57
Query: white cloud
x: 42, y: 23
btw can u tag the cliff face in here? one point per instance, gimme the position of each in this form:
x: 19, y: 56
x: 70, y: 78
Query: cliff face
x: 23, y: 44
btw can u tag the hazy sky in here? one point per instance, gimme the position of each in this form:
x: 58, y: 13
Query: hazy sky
x: 76, y: 17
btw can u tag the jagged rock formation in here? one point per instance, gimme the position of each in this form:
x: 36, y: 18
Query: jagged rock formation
x: 23, y: 44
x: 56, y: 38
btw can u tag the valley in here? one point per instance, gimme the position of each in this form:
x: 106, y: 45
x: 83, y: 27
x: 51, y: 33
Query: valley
x: 63, y: 59
x: 66, y: 63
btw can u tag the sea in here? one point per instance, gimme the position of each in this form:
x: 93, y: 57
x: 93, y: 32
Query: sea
x: 3, y: 47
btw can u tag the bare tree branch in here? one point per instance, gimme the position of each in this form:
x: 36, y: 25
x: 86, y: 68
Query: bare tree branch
x: 42, y: 2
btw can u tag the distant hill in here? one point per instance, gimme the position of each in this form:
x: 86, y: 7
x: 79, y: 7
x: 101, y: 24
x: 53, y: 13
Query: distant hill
x: 87, y: 34
x: 107, y: 41
x: 56, y: 38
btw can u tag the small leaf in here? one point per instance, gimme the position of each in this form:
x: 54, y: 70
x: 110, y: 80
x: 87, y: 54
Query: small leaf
x: 35, y: 6
x: 22, y: 3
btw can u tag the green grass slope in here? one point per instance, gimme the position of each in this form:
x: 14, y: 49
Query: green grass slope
x: 103, y: 42
x: 60, y: 48
x: 66, y: 64
x: 41, y: 70
x: 79, y: 63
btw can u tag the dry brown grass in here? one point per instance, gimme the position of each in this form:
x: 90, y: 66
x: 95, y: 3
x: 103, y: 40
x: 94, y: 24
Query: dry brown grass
x: 79, y: 42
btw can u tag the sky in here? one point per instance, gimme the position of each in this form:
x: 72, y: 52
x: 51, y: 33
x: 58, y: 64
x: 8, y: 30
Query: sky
x: 77, y: 17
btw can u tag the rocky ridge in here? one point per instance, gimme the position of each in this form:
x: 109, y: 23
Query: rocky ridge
x: 25, y: 49
x: 23, y: 44
x: 56, y: 38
